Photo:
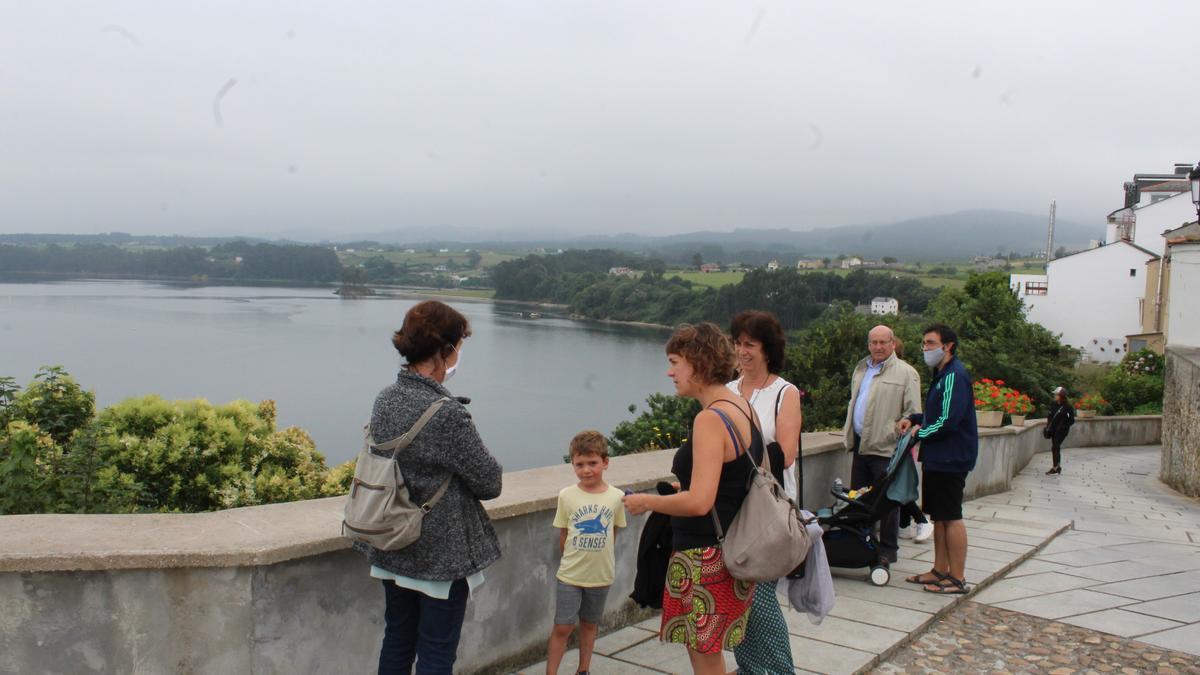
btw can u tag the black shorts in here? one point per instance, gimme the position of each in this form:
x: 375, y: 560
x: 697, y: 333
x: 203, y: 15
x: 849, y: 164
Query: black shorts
x: 942, y: 494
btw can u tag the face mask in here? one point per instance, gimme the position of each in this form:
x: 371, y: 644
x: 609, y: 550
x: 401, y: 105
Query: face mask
x: 452, y: 369
x: 934, y: 357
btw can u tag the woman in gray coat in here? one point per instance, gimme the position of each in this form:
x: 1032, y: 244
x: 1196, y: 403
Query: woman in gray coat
x: 426, y: 584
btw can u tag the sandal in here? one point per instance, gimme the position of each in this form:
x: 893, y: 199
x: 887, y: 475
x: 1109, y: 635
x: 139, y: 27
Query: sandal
x: 938, y: 577
x: 948, y: 586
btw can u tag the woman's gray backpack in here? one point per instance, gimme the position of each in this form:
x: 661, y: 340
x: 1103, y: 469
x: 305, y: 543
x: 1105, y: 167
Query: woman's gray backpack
x: 379, y: 511
x: 768, y: 538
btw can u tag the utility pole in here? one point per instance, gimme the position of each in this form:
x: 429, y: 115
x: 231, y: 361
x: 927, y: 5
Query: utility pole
x: 1050, y: 235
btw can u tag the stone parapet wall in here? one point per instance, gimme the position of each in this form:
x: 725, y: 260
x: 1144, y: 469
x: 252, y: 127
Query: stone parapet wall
x: 272, y: 589
x: 1181, y: 421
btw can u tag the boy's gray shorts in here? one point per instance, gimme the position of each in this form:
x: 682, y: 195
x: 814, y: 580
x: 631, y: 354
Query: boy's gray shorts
x: 574, y: 603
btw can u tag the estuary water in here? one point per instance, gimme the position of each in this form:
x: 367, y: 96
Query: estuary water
x: 533, y: 383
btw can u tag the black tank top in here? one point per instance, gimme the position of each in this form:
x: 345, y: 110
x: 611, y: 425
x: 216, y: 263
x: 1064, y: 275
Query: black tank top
x: 698, y: 531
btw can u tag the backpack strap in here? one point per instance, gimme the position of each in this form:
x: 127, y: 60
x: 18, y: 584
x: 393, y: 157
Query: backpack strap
x: 738, y: 442
x: 404, y: 440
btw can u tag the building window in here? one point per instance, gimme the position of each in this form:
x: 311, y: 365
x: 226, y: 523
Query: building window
x: 1136, y: 344
x: 1035, y: 287
x: 1132, y: 272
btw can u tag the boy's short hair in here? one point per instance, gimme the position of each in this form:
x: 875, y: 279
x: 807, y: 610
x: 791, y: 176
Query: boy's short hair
x: 589, y: 443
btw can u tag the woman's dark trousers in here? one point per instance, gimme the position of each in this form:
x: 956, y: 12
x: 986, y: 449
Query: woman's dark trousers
x: 421, y: 628
x: 1056, y: 448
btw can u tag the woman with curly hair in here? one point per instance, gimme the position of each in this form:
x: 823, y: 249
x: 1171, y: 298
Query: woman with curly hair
x: 704, y: 607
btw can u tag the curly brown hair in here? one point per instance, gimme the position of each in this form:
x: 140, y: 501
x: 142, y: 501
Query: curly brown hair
x: 707, y: 350
x: 762, y: 327
x: 430, y: 328
x: 589, y: 443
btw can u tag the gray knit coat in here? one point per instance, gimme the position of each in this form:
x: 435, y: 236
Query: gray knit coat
x: 457, y: 538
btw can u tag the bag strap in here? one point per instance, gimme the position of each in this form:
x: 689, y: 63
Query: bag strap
x: 738, y: 441
x: 799, y: 443
x: 404, y: 440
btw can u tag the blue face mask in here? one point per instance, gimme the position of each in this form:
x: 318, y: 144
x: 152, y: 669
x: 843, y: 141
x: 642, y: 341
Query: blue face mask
x: 934, y: 357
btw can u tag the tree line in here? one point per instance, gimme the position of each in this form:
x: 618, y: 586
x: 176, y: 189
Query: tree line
x: 995, y: 341
x: 238, y: 260
x: 580, y: 279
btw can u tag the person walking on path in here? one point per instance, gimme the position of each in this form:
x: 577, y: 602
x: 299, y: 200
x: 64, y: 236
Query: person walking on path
x: 426, y: 583
x: 1058, y: 425
x: 704, y: 607
x: 759, y: 342
x: 884, y: 389
x: 949, y: 448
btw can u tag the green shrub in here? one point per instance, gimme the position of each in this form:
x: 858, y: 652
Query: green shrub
x: 665, y: 424
x: 148, y: 454
x: 1136, y: 385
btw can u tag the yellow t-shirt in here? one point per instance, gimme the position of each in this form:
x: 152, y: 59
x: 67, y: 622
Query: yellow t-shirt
x: 589, y: 557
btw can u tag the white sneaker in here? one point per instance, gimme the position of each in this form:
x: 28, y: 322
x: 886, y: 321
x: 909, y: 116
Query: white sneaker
x: 924, y: 532
x: 907, y: 532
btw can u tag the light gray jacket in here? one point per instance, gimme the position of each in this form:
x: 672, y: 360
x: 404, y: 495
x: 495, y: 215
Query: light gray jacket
x: 895, y: 393
x: 457, y: 539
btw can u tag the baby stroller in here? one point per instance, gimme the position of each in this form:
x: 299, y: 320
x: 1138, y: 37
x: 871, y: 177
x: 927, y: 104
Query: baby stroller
x: 849, y: 523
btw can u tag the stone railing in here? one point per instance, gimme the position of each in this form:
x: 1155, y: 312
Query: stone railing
x: 273, y: 589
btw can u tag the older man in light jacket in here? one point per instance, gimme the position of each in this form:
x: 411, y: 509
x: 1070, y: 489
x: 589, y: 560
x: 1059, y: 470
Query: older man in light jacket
x: 883, y: 390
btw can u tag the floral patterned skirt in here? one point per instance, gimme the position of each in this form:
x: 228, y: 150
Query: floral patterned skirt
x: 703, y: 607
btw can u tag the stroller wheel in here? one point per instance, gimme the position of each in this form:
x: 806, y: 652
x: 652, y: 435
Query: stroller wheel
x: 880, y: 576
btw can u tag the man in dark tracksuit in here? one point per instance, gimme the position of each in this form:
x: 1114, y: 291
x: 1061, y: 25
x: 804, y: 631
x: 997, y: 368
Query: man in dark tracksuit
x: 949, y: 446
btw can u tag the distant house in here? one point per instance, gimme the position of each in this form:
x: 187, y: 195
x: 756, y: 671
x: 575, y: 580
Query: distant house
x: 710, y: 267
x: 881, y: 305
x: 443, y: 250
x: 810, y: 265
x: 773, y: 265
x: 440, y: 268
x: 622, y: 272
x: 851, y: 262
x: 410, y: 250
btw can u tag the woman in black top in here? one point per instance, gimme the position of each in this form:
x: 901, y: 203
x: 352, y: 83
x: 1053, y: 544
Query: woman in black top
x: 1058, y: 424
x: 703, y: 606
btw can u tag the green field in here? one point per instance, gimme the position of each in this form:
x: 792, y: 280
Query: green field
x: 708, y: 279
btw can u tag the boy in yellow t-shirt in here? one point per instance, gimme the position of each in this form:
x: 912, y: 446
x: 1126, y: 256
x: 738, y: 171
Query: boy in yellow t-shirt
x: 588, y: 514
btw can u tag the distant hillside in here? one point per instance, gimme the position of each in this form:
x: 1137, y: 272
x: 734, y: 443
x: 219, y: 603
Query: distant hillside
x: 952, y: 236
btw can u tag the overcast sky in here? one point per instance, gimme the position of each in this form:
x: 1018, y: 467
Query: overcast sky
x: 606, y: 116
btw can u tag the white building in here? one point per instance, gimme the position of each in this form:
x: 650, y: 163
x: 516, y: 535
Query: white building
x: 773, y: 265
x: 881, y: 305
x: 1093, y: 298
x: 1183, y: 322
x: 852, y: 261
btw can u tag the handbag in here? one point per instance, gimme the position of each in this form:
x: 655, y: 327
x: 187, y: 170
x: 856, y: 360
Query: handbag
x: 379, y: 511
x: 768, y: 537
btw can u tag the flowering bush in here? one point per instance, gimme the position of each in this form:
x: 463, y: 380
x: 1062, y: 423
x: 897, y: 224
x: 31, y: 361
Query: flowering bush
x: 1016, y: 403
x: 990, y: 394
x: 1092, y: 401
x: 1144, y: 362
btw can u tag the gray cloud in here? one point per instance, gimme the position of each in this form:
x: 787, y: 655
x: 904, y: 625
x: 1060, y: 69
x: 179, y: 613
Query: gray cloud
x: 580, y: 116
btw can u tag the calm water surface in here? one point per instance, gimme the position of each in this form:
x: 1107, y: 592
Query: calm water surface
x: 533, y: 383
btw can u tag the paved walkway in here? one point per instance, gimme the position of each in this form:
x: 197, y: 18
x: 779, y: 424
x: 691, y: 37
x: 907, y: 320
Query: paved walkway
x: 1129, y: 570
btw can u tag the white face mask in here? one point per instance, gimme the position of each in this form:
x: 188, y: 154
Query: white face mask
x: 933, y: 357
x: 454, y: 368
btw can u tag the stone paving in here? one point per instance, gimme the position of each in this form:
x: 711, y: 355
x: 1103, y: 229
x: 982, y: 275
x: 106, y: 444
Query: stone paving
x: 979, y: 638
x: 1120, y: 592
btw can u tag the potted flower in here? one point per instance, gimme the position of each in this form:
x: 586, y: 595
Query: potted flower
x: 1018, y: 406
x: 989, y: 402
x: 1088, y: 405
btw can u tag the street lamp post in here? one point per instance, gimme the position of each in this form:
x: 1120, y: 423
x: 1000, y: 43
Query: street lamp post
x: 1194, y: 178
